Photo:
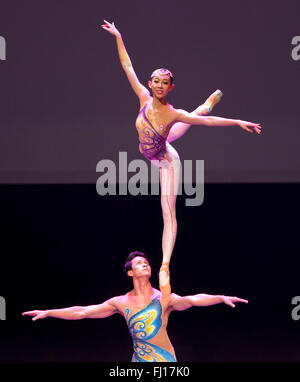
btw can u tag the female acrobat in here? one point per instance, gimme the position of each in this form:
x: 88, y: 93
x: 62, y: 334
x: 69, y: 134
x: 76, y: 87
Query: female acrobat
x: 158, y: 124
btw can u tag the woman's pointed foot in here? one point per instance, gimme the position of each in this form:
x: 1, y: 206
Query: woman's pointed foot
x: 211, y: 102
x: 164, y: 279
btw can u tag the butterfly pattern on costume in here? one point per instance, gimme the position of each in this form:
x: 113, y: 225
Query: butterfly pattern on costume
x: 143, y: 326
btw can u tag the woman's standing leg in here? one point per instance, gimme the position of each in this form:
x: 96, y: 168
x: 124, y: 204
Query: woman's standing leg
x: 169, y: 180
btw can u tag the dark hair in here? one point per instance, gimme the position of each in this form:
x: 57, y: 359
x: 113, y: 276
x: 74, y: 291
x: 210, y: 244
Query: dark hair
x: 132, y: 255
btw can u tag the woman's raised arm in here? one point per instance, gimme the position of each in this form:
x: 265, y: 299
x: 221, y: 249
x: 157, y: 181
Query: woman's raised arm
x: 141, y: 91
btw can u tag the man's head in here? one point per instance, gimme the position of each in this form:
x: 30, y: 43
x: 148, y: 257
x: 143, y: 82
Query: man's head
x: 137, y: 264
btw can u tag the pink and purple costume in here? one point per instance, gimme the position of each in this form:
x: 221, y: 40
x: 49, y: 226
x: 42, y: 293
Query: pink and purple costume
x: 151, y: 142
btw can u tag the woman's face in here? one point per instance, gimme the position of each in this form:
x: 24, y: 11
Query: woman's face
x: 161, y: 86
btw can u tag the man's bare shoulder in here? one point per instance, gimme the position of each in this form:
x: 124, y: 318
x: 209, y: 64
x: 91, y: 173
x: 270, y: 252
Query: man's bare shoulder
x: 169, y: 301
x: 119, y: 300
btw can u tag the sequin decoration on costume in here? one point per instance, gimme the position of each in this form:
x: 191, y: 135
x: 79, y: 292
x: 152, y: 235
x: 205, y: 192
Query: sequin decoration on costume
x: 151, y: 142
x: 162, y: 72
x: 143, y: 326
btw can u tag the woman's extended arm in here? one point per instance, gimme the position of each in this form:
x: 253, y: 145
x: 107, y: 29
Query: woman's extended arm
x: 180, y: 128
x: 138, y: 88
x: 184, y: 116
x: 103, y: 310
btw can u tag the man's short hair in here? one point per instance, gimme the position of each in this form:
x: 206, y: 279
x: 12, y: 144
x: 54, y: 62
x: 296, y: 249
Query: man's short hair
x: 132, y: 255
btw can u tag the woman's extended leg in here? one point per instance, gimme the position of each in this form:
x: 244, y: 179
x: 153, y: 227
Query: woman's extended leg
x: 179, y: 128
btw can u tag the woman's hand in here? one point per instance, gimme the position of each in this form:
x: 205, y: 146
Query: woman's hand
x: 37, y: 314
x: 245, y: 125
x: 110, y: 27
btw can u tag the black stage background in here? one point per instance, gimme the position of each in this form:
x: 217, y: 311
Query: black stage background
x: 65, y: 245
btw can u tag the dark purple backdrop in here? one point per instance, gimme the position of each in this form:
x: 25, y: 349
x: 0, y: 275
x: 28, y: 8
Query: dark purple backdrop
x: 66, y: 103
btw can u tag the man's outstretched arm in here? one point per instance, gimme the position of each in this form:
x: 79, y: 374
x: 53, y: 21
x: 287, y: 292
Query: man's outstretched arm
x: 186, y: 302
x: 106, y: 309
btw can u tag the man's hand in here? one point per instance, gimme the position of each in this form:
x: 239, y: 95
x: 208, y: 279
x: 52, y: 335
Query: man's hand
x: 37, y: 314
x: 230, y: 300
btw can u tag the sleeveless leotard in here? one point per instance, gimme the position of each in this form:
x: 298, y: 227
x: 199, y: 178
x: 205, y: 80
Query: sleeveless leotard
x: 151, y: 142
x: 143, y: 326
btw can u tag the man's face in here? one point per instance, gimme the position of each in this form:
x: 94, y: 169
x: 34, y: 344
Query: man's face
x: 140, y: 267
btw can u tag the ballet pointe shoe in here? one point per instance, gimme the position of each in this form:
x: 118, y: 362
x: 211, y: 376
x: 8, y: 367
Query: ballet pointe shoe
x: 164, y: 279
x: 211, y: 102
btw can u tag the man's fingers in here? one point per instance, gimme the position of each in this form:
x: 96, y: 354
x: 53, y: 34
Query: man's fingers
x: 39, y: 316
x: 242, y: 300
x: 237, y: 299
x: 230, y: 303
x: 30, y: 313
